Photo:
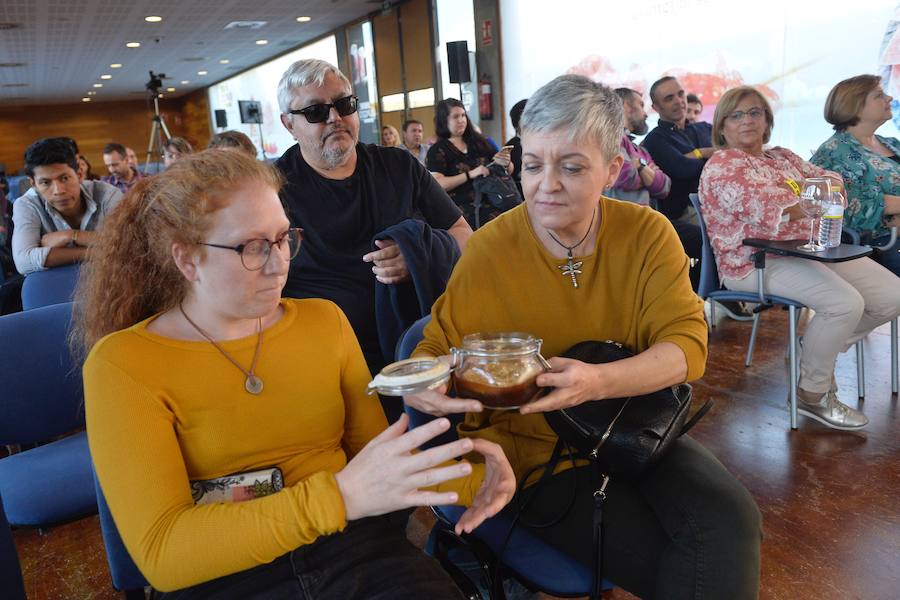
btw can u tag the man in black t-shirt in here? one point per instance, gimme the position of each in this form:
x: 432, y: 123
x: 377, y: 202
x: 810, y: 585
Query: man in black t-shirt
x: 342, y: 193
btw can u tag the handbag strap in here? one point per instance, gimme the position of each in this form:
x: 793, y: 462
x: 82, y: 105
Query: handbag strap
x: 600, y: 480
x: 696, y: 417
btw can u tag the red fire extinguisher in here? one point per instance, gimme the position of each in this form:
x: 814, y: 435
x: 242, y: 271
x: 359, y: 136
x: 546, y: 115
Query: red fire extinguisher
x: 485, y: 98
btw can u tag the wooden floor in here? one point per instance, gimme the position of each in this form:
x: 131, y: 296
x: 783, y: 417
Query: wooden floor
x: 830, y: 500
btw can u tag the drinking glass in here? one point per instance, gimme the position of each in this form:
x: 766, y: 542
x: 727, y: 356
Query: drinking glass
x: 815, y: 196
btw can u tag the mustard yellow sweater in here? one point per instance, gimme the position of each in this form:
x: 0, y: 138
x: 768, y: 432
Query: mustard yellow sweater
x: 634, y: 289
x: 161, y: 412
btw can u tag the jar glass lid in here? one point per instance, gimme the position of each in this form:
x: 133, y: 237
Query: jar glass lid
x: 410, y: 376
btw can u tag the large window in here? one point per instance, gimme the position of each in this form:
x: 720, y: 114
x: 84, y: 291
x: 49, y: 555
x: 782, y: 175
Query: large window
x: 261, y: 84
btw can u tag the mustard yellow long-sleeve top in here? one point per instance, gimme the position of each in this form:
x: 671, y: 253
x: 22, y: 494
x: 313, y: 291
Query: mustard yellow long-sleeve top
x: 161, y: 412
x: 634, y: 289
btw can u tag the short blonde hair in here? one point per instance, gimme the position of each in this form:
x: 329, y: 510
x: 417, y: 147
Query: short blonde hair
x: 393, y: 130
x: 727, y: 105
x: 847, y: 98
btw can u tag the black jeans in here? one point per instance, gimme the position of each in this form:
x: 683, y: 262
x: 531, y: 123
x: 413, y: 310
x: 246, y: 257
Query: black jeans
x: 690, y: 237
x: 686, y: 529
x: 371, y: 559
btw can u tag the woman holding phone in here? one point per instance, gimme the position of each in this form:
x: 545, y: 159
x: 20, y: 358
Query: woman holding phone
x: 460, y: 155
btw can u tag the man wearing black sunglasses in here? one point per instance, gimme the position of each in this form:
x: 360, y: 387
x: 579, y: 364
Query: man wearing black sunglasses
x: 343, y: 193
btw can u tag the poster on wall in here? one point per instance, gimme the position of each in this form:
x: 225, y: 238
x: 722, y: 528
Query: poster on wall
x: 362, y: 78
x: 794, y: 52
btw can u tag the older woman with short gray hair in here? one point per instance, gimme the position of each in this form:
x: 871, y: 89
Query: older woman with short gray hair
x: 593, y: 268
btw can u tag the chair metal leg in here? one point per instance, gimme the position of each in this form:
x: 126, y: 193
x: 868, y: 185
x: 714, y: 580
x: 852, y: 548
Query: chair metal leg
x: 792, y: 350
x: 860, y: 369
x: 749, y: 360
x: 712, y: 313
x: 894, y: 357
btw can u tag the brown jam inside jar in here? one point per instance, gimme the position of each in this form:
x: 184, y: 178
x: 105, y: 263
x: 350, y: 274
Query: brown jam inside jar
x: 492, y: 396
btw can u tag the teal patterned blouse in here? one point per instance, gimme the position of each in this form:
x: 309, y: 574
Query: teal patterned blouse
x: 868, y: 176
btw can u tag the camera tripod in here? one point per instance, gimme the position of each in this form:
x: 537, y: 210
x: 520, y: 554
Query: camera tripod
x: 156, y: 141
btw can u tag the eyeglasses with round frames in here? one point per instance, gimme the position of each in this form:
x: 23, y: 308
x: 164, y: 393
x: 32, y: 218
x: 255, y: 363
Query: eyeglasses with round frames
x: 754, y: 113
x: 255, y: 253
x: 318, y: 113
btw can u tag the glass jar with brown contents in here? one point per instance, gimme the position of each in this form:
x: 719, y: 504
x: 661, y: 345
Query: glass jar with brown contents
x: 498, y: 369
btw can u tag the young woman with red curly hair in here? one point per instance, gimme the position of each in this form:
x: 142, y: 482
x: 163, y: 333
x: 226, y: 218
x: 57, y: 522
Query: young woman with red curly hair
x: 198, y: 369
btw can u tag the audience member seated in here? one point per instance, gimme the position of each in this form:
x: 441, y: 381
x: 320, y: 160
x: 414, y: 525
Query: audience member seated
x: 176, y: 149
x: 196, y: 282
x: 687, y: 528
x: 747, y: 191
x: 413, y: 132
x: 678, y: 147
x: 84, y: 170
x: 515, y: 151
x: 390, y: 137
x: 343, y: 193
x: 640, y: 180
x: 121, y: 173
x: 131, y: 157
x: 694, y: 108
x: 55, y: 221
x: 461, y: 154
x: 233, y: 140
x: 869, y: 163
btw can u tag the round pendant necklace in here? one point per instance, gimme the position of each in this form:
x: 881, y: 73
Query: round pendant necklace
x: 253, y: 384
x: 573, y: 268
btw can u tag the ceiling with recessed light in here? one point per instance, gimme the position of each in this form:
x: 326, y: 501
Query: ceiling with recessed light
x: 54, y: 52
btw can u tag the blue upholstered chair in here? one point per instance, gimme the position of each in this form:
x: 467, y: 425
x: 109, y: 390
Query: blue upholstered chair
x: 41, y: 401
x: 527, y: 558
x: 124, y: 573
x: 53, y: 286
x: 10, y: 572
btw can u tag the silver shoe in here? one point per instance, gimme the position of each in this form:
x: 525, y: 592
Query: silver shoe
x: 832, y: 412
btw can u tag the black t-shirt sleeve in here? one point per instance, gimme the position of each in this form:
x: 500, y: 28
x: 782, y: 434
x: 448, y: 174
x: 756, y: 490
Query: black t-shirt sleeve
x: 437, y: 208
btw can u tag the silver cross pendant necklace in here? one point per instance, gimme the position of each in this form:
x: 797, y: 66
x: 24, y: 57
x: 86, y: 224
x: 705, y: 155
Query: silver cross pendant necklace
x: 572, y: 268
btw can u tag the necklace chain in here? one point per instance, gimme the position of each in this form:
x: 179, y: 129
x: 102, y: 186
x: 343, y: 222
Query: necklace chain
x: 253, y: 383
x: 581, y: 241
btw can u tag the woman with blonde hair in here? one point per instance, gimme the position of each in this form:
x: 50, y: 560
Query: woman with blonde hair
x: 198, y: 370
x: 750, y: 191
x: 390, y: 137
x: 869, y: 163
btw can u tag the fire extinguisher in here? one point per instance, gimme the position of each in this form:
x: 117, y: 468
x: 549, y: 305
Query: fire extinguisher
x: 485, y: 98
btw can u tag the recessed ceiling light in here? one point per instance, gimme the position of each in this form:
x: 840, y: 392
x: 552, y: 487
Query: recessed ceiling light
x: 170, y: 89
x: 224, y: 61
x: 115, y: 66
x: 106, y: 77
x: 201, y: 72
x: 184, y: 82
x: 85, y: 99
x: 98, y: 85
x: 262, y: 42
x: 132, y: 44
x: 304, y: 19
x: 153, y: 19
x: 92, y: 93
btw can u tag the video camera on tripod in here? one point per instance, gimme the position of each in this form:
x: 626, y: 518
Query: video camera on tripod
x: 155, y: 84
x: 157, y: 144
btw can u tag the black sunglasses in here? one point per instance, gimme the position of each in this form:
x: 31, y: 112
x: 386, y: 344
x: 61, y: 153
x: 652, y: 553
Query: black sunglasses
x: 318, y: 113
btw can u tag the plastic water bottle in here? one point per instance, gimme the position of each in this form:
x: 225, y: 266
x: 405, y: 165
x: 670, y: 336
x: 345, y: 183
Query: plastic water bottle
x: 832, y: 221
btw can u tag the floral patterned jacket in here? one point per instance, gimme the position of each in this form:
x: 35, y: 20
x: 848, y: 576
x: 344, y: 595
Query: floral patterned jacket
x: 868, y: 175
x: 744, y: 196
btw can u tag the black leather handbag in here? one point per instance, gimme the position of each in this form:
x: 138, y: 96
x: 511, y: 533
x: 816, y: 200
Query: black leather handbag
x: 620, y: 437
x: 498, y: 188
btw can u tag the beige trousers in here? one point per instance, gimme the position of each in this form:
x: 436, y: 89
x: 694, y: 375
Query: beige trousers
x: 850, y: 299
